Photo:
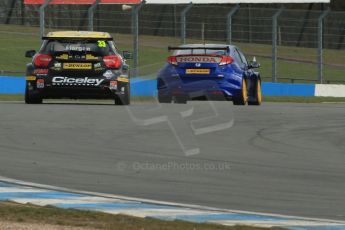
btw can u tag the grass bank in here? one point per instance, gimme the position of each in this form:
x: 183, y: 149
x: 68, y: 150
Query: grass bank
x: 66, y: 218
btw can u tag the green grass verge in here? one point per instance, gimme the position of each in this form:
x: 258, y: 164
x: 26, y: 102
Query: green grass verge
x: 12, y: 212
x: 11, y: 97
x: 19, y: 97
x: 153, y: 53
x: 306, y: 99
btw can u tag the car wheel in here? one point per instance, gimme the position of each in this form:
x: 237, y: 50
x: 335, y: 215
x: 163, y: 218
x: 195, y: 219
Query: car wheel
x: 163, y: 98
x: 31, y: 97
x: 243, y: 98
x: 180, y: 100
x: 258, y: 94
x: 124, y: 99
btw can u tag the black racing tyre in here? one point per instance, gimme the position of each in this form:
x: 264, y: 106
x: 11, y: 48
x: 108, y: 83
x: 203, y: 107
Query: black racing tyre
x: 257, y: 95
x: 163, y: 98
x: 32, y: 98
x: 180, y: 100
x: 124, y: 99
x: 243, y: 98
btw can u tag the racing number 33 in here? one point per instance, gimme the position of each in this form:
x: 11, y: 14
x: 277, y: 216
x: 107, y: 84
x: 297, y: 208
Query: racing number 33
x: 102, y: 44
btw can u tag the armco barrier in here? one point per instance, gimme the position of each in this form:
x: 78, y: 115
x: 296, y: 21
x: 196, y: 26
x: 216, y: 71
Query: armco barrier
x: 12, y: 85
x: 143, y: 88
x: 146, y: 88
x: 16, y: 85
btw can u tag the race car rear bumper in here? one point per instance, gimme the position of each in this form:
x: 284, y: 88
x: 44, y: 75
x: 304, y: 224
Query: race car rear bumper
x: 77, y: 93
x: 104, y: 91
x: 201, y: 88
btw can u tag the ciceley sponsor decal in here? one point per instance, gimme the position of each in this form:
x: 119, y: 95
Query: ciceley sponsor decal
x: 76, y: 81
x: 198, y: 59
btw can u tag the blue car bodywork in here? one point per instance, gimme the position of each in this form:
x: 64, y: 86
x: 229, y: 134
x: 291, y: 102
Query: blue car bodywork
x: 219, y: 72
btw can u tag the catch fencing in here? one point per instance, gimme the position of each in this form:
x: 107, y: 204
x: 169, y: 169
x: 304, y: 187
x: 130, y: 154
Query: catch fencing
x: 292, y: 45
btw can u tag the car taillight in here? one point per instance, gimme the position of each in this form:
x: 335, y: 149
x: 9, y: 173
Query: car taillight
x: 226, y: 60
x: 172, y: 60
x: 112, y: 61
x: 42, y: 60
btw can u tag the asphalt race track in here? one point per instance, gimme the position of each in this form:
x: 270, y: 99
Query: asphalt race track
x: 277, y: 158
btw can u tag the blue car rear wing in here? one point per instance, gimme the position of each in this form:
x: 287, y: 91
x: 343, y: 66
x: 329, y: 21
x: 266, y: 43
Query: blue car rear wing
x: 227, y: 48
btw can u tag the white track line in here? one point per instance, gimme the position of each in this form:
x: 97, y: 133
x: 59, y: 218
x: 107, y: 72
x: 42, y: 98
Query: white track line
x: 71, y: 200
x: 197, y: 207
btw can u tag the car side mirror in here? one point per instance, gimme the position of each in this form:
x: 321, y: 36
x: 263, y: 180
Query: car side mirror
x: 254, y: 64
x: 30, y: 53
x: 127, y: 55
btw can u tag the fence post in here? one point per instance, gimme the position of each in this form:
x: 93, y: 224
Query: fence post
x: 229, y: 23
x: 42, y: 16
x: 91, y: 11
x: 135, y: 28
x: 183, y: 22
x: 203, y: 32
x: 22, y: 12
x: 320, y: 45
x: 274, y: 43
x: 9, y: 15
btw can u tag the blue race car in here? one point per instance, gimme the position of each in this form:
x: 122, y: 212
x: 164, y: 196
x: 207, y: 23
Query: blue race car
x: 209, y: 72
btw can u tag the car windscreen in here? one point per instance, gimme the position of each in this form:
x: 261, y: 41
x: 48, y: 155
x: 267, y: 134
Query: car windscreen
x: 97, y: 47
x: 199, y: 51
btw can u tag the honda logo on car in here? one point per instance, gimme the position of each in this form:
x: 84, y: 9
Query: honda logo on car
x: 82, y: 81
x: 198, y: 59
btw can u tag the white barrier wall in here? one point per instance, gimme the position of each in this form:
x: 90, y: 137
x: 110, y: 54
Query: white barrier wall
x: 329, y: 90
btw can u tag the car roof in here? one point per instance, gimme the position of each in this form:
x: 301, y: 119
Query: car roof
x: 78, y: 34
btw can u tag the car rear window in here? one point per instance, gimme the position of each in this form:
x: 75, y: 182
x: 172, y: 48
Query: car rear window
x: 200, y: 51
x: 98, y: 47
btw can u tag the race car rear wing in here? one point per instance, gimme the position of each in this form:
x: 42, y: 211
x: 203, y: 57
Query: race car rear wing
x: 170, y: 48
x: 76, y: 38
